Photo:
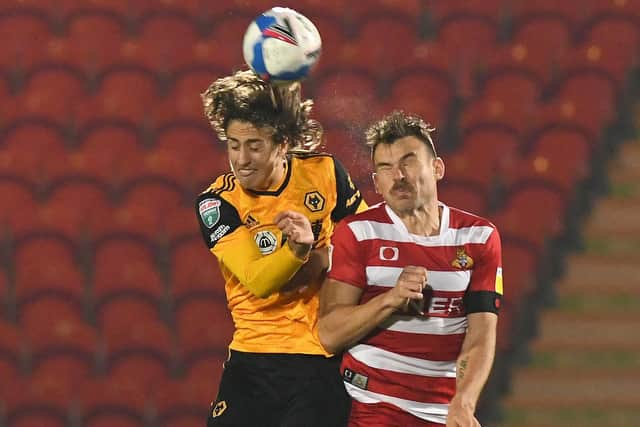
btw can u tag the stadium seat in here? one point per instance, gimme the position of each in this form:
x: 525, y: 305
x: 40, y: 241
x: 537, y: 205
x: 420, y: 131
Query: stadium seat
x: 59, y: 275
x: 334, y: 42
x: 525, y: 213
x: 514, y: 87
x: 34, y: 151
x: 125, y: 92
x: 4, y: 289
x: 466, y: 195
x: 38, y: 310
x: 204, y: 328
x: 44, y: 402
x: 125, y: 310
x: 614, y: 7
x: 25, y: 36
x: 125, y: 267
x: 560, y: 155
x: 425, y: 92
x: 111, y: 152
x: 381, y: 56
x: 180, y: 402
x: 348, y: 147
x: 223, y: 47
x: 11, y: 350
x: 107, y: 402
x: 194, y: 270
x: 472, y: 38
x: 208, y: 368
x: 443, y: 10
x: 183, y: 102
x: 573, y: 12
x: 166, y: 41
x: 347, y: 98
x: 52, y: 92
x: 521, y: 263
x: 178, y: 148
x: 16, y: 191
x: 495, y: 113
x: 94, y: 39
x: 60, y: 212
x: 140, y: 352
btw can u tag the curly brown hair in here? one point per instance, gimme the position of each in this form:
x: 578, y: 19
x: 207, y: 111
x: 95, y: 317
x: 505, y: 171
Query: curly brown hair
x: 244, y: 96
x: 398, y: 125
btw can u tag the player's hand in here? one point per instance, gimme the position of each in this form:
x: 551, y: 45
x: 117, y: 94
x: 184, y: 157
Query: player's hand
x: 408, y: 288
x: 461, y: 415
x: 297, y: 228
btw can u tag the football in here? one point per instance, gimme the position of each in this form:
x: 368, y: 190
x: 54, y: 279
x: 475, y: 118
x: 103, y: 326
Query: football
x: 281, y: 45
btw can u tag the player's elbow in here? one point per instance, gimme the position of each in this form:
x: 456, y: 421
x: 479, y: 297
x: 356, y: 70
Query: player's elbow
x: 328, y: 338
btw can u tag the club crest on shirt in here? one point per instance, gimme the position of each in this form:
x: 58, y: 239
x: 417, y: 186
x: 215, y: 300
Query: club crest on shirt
x: 219, y: 409
x: 462, y: 261
x: 314, y: 201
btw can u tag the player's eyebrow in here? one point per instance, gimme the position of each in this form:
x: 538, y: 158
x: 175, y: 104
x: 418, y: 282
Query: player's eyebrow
x: 250, y: 140
x: 405, y: 157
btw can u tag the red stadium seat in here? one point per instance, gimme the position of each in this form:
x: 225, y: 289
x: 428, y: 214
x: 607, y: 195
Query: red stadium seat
x: 59, y: 275
x: 25, y: 37
x: 34, y: 151
x: 140, y: 352
x: 379, y: 53
x: 559, y: 155
x: 348, y: 147
x: 112, y: 402
x: 533, y: 212
x: 94, y: 39
x: 472, y: 39
x: 52, y: 92
x: 183, y: 102
x: 125, y: 93
x: 573, y: 12
x: 194, y: 271
x: 495, y: 113
x: 614, y: 7
x: 204, y: 327
x: 111, y: 152
x: 516, y: 88
x: 11, y: 349
x: 166, y: 41
x: 38, y: 310
x: 16, y: 192
x: 177, y: 401
x: 42, y: 402
x: 223, y: 47
x: 442, y: 10
x: 209, y: 368
x: 125, y: 267
x: 334, y: 42
x: 521, y: 264
x: 466, y: 195
x: 125, y: 310
x: 427, y: 93
x: 347, y: 97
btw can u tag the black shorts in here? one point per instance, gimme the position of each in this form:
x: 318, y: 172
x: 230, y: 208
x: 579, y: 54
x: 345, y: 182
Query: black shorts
x: 280, y: 390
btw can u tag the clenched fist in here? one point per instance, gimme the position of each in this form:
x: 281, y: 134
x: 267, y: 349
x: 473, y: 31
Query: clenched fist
x: 297, y: 228
x: 408, y: 289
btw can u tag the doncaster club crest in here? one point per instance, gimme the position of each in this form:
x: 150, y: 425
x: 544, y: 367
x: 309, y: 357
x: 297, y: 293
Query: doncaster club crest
x: 462, y: 261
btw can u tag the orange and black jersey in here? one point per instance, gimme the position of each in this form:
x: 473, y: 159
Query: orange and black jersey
x: 237, y: 226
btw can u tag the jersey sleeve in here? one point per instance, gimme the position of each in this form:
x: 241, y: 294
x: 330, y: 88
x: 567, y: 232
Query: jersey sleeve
x: 349, y: 200
x: 346, y: 262
x: 485, y: 289
x: 234, y: 247
x: 217, y: 218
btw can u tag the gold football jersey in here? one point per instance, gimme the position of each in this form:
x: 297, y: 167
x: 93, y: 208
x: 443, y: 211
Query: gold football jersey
x: 238, y: 227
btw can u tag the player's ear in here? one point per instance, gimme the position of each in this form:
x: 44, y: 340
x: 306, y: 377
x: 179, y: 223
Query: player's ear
x: 438, y: 164
x: 374, y: 178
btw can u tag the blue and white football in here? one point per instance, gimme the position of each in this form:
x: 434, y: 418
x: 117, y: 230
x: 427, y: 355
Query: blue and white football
x: 281, y: 45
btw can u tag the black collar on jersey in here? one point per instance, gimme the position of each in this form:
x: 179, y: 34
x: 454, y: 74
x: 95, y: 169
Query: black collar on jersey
x: 282, y: 186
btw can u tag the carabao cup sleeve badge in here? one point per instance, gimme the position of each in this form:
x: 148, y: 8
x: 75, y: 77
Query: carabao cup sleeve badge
x: 209, y: 211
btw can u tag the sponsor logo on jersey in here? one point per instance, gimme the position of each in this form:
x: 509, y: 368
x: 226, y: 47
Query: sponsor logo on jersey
x: 219, y: 233
x: 462, y: 261
x: 209, y: 210
x: 389, y: 253
x: 266, y: 241
x: 314, y: 201
x: 251, y: 222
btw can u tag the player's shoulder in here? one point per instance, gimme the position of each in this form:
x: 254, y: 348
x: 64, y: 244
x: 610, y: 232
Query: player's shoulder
x: 312, y: 158
x: 459, y: 218
x: 374, y: 213
x: 224, y: 186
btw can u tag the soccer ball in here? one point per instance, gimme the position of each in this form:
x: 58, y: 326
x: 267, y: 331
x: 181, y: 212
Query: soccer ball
x: 281, y: 45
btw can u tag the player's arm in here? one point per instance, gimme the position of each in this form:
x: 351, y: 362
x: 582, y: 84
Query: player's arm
x: 482, y: 302
x: 349, y: 199
x: 343, y: 322
x: 236, y: 250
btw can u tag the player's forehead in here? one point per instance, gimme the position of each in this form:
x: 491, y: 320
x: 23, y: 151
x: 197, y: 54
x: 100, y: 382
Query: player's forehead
x: 240, y: 130
x: 398, y: 149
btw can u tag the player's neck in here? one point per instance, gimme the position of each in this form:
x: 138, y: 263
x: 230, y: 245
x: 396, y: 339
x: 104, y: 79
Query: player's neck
x: 277, y: 177
x: 423, y: 221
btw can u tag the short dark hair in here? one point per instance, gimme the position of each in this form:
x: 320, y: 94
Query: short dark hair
x: 244, y: 96
x: 398, y: 125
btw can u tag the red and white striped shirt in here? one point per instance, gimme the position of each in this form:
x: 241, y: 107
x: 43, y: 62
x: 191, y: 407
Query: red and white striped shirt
x: 410, y: 361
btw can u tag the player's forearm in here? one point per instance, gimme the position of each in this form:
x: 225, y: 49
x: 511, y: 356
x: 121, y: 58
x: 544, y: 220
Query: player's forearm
x: 341, y: 326
x: 265, y: 274
x: 474, y: 365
